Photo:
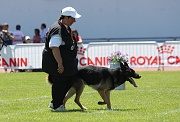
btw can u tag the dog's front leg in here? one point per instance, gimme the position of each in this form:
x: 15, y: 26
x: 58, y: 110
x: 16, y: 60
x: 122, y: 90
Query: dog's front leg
x: 105, y: 98
x: 108, y: 95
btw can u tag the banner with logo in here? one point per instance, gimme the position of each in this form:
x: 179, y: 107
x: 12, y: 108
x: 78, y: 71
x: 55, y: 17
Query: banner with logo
x: 170, y: 52
x: 140, y: 54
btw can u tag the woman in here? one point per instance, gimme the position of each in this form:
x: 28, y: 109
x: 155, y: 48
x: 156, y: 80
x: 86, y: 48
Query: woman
x: 59, y: 57
x: 37, y: 36
x: 78, y: 38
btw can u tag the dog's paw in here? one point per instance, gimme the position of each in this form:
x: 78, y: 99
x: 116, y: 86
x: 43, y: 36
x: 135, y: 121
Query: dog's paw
x: 84, y: 108
x: 110, y: 109
x: 101, y: 103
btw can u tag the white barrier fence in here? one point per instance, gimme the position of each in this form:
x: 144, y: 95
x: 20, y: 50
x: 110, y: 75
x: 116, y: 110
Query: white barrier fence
x: 170, y: 51
x: 141, y: 54
x: 22, y: 56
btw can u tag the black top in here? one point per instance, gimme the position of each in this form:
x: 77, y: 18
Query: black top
x: 68, y: 51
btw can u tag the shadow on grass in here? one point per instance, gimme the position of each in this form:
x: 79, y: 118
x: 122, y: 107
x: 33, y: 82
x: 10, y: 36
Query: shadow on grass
x: 98, y: 110
x: 72, y: 110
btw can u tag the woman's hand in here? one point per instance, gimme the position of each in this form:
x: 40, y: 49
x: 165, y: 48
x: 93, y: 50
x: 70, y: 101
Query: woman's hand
x: 60, y: 68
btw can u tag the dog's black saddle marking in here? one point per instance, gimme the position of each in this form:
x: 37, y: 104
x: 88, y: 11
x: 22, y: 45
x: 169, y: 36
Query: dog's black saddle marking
x: 93, y: 75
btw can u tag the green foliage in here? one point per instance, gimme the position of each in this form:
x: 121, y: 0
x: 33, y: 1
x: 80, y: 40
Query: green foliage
x: 24, y: 97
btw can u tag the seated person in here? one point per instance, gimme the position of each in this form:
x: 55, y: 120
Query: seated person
x: 27, y: 39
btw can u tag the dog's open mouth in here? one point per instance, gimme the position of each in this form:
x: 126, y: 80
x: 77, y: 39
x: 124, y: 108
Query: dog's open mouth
x: 132, y: 82
x: 137, y: 76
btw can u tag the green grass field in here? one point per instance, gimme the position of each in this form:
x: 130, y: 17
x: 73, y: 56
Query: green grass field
x: 24, y: 97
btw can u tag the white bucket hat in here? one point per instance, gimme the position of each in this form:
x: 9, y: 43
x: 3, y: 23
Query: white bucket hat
x: 69, y: 11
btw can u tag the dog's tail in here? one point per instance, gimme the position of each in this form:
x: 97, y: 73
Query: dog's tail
x: 49, y: 79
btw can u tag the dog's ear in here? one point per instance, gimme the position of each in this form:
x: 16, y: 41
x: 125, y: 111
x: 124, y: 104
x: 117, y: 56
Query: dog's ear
x: 126, y: 64
x: 121, y: 65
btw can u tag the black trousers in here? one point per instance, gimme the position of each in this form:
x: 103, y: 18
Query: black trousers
x: 61, y: 85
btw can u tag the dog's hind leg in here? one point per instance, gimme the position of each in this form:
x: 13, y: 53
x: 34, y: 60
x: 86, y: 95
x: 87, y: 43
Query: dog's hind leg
x: 79, y: 91
x: 105, y: 98
x: 70, y: 93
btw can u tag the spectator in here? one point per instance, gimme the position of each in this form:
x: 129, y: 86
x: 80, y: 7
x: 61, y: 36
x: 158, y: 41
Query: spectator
x: 1, y: 41
x: 43, y: 32
x: 37, y: 36
x: 7, y: 37
x: 1, y: 27
x: 18, y: 35
x: 27, y: 39
x: 77, y: 36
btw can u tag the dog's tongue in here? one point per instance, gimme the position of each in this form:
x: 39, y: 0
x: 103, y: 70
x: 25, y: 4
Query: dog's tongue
x: 132, y: 82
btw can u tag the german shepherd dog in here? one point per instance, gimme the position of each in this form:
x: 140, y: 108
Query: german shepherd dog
x: 102, y: 79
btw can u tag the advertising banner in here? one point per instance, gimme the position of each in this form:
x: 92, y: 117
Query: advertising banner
x: 140, y: 54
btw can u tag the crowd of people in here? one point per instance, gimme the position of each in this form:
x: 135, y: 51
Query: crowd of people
x: 18, y: 37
